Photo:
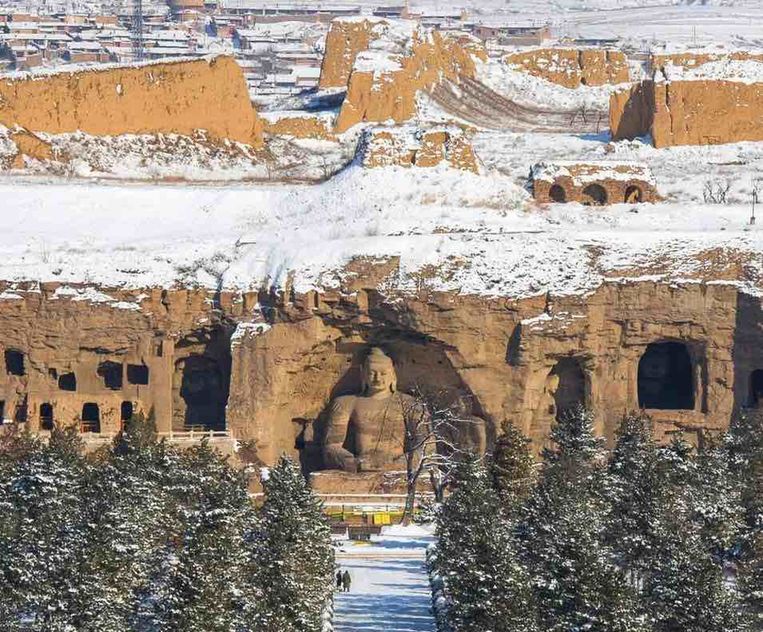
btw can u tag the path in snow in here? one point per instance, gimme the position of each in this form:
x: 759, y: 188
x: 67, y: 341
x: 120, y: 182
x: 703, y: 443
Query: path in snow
x: 390, y: 588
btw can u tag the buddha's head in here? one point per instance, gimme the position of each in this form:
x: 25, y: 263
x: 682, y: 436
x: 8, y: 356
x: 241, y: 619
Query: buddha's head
x: 378, y: 373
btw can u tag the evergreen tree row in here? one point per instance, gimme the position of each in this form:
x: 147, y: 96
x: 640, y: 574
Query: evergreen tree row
x: 645, y: 538
x: 143, y: 537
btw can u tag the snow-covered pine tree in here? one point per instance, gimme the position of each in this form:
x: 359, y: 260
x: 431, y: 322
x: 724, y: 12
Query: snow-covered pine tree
x: 44, y: 584
x: 204, y: 579
x: 578, y: 585
x: 512, y: 467
x: 633, y: 493
x: 487, y: 586
x: 685, y: 588
x: 296, y: 555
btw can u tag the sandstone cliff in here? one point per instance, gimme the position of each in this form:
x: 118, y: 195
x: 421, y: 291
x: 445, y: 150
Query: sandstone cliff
x: 383, y: 86
x: 174, y: 98
x: 572, y: 68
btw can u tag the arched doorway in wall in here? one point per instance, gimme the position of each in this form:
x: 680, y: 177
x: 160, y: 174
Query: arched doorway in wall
x: 91, y: 418
x: 557, y: 194
x: 633, y: 195
x: 665, y: 377
x: 46, y: 417
x: 594, y: 195
x: 756, y: 389
x: 202, y: 393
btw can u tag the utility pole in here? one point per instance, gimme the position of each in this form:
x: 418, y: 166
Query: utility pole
x: 137, y: 30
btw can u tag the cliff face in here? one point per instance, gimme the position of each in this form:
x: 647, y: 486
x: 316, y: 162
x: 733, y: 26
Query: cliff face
x: 708, y: 112
x: 192, y: 361
x: 345, y: 39
x: 572, y: 68
x: 177, y: 98
x: 384, y: 90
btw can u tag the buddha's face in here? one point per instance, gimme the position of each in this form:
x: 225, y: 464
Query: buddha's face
x: 379, y: 376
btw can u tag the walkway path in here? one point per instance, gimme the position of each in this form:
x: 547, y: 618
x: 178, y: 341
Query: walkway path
x: 390, y: 588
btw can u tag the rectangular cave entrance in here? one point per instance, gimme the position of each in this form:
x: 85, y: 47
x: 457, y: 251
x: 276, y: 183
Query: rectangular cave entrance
x: 46, y: 417
x: 137, y: 374
x: 14, y: 362
x: 200, y: 393
x: 91, y: 418
x: 67, y: 382
x: 665, y: 377
x: 125, y: 412
x: 570, y: 390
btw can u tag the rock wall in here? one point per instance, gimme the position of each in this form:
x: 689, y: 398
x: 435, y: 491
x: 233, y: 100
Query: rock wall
x: 689, y: 112
x: 571, y: 67
x: 209, y: 361
x: 173, y: 97
x: 385, y: 90
x: 345, y: 39
x: 421, y: 148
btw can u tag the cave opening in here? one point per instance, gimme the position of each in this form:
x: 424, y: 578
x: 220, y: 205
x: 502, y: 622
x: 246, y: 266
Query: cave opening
x: 14, y: 362
x: 203, y: 391
x: 67, y: 382
x: 595, y: 195
x: 571, y: 388
x: 137, y: 374
x: 665, y: 377
x: 111, y: 374
x: 756, y: 389
x: 91, y: 418
x: 126, y: 412
x: 557, y: 194
x: 46, y: 416
x: 633, y: 195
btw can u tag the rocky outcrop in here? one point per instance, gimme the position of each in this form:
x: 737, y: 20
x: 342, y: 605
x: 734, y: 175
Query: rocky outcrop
x: 571, y: 67
x: 346, y: 38
x: 173, y: 98
x: 407, y: 147
x: 692, y: 112
x: 383, y: 86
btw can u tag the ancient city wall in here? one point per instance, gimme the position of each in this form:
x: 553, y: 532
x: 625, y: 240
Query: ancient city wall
x: 175, y: 97
x: 702, y: 112
x: 375, y: 95
x: 345, y: 39
x: 571, y: 67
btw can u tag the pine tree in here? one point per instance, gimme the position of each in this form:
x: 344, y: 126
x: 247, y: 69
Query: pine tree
x: 685, y: 588
x: 295, y: 552
x: 487, y: 586
x: 512, y: 467
x: 633, y: 492
x: 578, y: 585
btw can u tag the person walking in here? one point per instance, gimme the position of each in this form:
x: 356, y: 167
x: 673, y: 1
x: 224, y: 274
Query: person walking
x: 346, y: 581
x: 339, y: 579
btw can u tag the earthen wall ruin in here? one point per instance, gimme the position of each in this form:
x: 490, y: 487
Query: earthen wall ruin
x: 571, y: 67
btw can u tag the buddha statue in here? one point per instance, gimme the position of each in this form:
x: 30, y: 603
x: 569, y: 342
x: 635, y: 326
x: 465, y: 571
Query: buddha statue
x: 365, y: 432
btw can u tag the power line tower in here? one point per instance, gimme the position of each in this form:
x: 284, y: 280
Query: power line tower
x: 137, y: 30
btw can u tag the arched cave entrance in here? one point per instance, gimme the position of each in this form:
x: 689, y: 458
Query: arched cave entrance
x: 665, y: 377
x: 571, y: 389
x: 557, y: 194
x: 125, y: 412
x: 91, y: 418
x: 594, y: 195
x: 634, y: 195
x: 202, y: 393
x: 46, y: 417
x: 756, y: 389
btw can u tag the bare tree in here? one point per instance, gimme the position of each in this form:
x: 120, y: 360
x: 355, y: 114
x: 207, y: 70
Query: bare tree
x: 430, y: 442
x: 716, y: 191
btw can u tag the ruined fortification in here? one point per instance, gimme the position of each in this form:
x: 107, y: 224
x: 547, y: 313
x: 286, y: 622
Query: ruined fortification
x: 409, y: 147
x: 383, y: 86
x: 170, y: 97
x: 346, y: 38
x: 572, y: 67
x: 699, y: 101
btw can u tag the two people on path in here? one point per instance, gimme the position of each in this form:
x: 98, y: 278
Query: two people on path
x: 343, y: 580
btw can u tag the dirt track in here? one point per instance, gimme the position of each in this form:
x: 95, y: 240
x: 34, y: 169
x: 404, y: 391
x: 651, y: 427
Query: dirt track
x: 474, y: 102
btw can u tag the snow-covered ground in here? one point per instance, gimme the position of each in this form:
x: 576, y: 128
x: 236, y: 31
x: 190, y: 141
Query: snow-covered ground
x: 390, y: 589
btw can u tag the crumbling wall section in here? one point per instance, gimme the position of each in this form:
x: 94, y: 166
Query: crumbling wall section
x: 383, y: 88
x: 346, y: 38
x: 174, y: 98
x: 409, y: 147
x: 571, y: 68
